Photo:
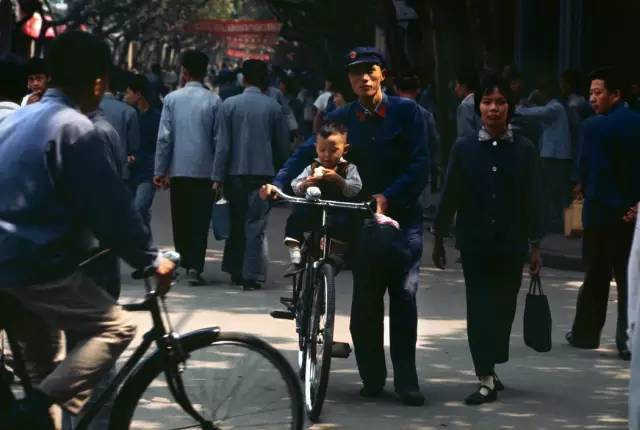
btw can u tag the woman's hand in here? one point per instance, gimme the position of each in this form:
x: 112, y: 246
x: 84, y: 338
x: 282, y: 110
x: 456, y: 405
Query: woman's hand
x: 536, y: 261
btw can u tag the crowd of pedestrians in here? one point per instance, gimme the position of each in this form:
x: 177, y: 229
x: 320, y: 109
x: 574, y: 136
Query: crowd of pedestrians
x: 108, y: 145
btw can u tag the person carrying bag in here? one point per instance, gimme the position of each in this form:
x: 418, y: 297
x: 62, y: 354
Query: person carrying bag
x: 537, y: 317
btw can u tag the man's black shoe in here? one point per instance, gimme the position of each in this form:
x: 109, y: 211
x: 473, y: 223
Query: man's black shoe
x: 370, y: 391
x: 236, y: 280
x: 411, y: 398
x: 484, y: 394
x: 572, y: 341
x: 194, y: 278
x: 249, y: 285
x: 625, y: 354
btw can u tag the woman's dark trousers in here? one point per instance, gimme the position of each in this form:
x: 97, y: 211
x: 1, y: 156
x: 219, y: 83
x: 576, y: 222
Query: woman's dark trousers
x: 492, y: 284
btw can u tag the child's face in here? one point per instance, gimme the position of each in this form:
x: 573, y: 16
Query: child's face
x: 331, y: 149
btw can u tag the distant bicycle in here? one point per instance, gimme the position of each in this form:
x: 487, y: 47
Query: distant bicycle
x: 312, y: 304
x: 205, y: 379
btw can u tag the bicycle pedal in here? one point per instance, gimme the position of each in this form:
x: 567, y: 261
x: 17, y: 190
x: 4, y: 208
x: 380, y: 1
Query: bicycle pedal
x: 340, y: 350
x: 283, y: 315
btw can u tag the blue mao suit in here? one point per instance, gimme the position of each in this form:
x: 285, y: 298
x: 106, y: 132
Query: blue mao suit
x: 388, y: 147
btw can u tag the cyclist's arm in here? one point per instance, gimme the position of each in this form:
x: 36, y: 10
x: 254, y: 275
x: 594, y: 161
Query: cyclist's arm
x: 100, y: 201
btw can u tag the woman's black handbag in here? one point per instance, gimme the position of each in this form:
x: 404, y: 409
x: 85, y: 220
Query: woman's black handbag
x: 537, y: 318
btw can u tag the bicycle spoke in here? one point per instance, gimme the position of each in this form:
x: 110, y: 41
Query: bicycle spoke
x: 218, y: 382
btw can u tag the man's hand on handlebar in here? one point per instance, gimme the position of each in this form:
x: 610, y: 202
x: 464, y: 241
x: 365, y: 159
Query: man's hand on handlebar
x: 268, y: 191
x: 164, y: 275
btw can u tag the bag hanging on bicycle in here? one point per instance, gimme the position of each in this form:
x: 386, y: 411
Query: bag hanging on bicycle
x: 382, y: 245
x: 537, y: 318
x: 220, y: 219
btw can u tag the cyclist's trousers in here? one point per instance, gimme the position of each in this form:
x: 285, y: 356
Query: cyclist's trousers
x: 78, y: 306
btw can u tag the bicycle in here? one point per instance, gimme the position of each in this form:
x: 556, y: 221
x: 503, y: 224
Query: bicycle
x: 312, y: 304
x: 212, y: 380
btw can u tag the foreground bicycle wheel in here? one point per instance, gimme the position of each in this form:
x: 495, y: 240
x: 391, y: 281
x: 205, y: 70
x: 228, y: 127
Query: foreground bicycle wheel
x: 319, y: 341
x: 236, y: 381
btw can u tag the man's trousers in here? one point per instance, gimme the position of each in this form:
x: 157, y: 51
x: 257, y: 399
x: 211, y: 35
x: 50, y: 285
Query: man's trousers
x: 245, y: 252
x: 367, y: 317
x: 605, y: 252
x: 191, y: 204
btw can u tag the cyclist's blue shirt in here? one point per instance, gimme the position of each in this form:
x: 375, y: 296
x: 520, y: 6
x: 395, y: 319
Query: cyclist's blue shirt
x: 56, y: 187
x: 388, y: 146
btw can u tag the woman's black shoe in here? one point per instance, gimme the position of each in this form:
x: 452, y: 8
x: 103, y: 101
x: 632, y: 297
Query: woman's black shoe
x: 477, y: 398
x: 497, y: 383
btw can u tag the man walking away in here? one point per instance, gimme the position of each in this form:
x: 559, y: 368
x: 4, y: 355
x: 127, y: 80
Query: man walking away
x: 467, y: 121
x: 139, y: 95
x: 555, y: 152
x: 184, y: 152
x: 409, y: 87
x: 610, y: 180
x: 252, y: 143
x: 124, y: 119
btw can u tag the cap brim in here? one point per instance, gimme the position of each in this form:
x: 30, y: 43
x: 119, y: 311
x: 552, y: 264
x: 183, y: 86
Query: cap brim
x: 369, y: 60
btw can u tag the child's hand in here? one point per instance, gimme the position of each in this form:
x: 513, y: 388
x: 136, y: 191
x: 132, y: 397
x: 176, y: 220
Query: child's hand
x: 312, y: 180
x: 332, y: 176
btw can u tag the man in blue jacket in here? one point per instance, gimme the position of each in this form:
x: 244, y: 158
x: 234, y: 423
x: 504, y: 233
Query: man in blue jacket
x: 56, y: 188
x: 610, y: 181
x: 387, y: 142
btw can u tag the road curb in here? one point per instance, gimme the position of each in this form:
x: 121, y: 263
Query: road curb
x: 560, y: 261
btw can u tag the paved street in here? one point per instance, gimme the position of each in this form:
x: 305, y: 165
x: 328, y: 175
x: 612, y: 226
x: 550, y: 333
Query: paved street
x: 563, y: 389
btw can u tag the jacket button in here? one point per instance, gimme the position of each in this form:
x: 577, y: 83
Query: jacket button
x: 494, y: 169
x: 495, y: 143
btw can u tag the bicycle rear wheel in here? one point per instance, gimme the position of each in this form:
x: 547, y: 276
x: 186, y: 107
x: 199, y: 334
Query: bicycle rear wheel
x: 319, y: 341
x: 235, y: 381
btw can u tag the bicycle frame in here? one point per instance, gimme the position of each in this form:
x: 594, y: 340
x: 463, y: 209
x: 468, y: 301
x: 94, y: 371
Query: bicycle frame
x: 168, y: 344
x: 315, y: 258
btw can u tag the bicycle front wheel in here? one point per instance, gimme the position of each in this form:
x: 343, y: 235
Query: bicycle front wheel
x: 235, y: 381
x: 319, y: 341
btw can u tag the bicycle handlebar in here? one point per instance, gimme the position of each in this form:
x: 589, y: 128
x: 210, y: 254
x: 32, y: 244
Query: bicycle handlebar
x: 365, y: 206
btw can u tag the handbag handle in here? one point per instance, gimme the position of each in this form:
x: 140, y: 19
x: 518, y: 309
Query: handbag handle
x: 535, y: 284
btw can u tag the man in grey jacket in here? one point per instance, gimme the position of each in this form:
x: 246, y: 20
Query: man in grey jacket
x: 184, y: 153
x: 467, y: 121
x: 124, y: 120
x: 252, y: 142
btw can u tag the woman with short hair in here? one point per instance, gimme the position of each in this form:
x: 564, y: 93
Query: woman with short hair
x: 493, y: 185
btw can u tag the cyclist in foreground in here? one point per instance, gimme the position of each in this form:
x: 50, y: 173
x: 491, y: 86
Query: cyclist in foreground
x: 387, y: 142
x: 57, y: 189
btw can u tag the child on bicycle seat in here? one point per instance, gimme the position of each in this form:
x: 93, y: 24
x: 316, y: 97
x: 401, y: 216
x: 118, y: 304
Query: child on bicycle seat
x: 337, y: 179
